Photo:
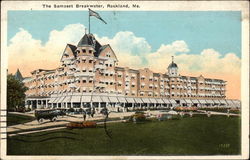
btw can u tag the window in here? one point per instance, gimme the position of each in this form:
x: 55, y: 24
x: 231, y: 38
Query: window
x: 90, y: 61
x: 119, y: 84
x: 107, y: 65
x: 133, y: 85
x: 90, y: 81
x: 90, y: 51
x: 84, y: 50
x: 83, y: 81
x: 119, y: 75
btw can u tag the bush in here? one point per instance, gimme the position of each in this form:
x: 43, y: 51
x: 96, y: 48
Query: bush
x: 27, y: 110
x: 138, y: 117
x: 185, y: 109
x: 20, y: 109
x: 80, y: 110
x: 89, y: 124
x: 71, y: 110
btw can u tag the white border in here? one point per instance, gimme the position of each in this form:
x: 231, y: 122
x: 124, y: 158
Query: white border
x: 242, y: 6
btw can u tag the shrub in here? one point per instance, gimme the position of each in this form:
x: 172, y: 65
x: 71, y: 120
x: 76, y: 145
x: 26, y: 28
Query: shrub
x: 71, y: 110
x: 89, y: 124
x: 138, y: 117
x: 27, y: 110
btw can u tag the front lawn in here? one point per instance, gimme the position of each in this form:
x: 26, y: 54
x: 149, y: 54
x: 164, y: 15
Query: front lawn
x: 13, y: 119
x: 199, y: 135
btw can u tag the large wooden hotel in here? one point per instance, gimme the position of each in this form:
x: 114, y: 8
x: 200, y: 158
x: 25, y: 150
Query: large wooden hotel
x: 88, y: 76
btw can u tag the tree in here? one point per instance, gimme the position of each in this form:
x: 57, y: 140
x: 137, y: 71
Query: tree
x: 15, y: 93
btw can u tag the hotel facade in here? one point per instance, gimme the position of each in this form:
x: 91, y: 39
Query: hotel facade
x: 89, y: 76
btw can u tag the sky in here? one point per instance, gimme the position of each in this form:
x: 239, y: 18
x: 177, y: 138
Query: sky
x: 207, y: 43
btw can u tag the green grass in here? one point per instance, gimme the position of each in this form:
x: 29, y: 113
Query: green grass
x: 199, y: 135
x: 13, y: 119
x: 223, y: 110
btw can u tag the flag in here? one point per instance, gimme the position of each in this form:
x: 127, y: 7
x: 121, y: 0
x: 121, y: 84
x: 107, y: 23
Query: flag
x: 93, y: 13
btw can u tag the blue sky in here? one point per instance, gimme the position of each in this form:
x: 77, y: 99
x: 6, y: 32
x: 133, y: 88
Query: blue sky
x: 200, y: 30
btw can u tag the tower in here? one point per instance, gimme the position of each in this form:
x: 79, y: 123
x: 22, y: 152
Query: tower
x: 173, y: 68
x: 18, y: 75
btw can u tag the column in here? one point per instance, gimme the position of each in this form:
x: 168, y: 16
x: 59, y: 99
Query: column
x: 46, y: 101
x: 26, y: 104
x: 36, y: 103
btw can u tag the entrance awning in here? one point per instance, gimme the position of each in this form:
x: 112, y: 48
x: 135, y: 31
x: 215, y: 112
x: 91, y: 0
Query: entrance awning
x: 52, y: 100
x: 145, y: 100
x: 105, y: 99
x: 130, y: 100
x: 86, y: 99
x: 96, y: 99
x: 237, y: 103
x: 195, y: 101
x: 182, y: 101
x: 209, y: 101
x: 159, y: 100
x: 216, y: 101
x: 223, y: 101
x: 61, y: 99
x: 138, y: 100
x: 188, y: 101
x: 202, y: 101
x: 166, y: 101
x: 172, y: 101
x: 56, y: 100
x: 230, y: 103
x: 67, y: 99
x: 113, y: 99
x: 152, y: 100
x: 122, y: 100
x: 76, y: 99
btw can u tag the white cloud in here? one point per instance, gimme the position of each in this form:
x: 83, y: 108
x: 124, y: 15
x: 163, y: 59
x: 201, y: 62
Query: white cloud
x: 129, y: 48
x: 131, y: 51
x: 29, y: 54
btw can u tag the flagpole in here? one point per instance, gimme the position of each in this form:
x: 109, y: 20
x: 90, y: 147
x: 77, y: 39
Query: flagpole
x: 89, y: 23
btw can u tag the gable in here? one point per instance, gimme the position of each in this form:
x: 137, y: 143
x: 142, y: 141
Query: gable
x: 107, y: 51
x: 69, y: 51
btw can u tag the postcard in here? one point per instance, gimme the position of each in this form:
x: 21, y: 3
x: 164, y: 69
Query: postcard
x: 124, y: 80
